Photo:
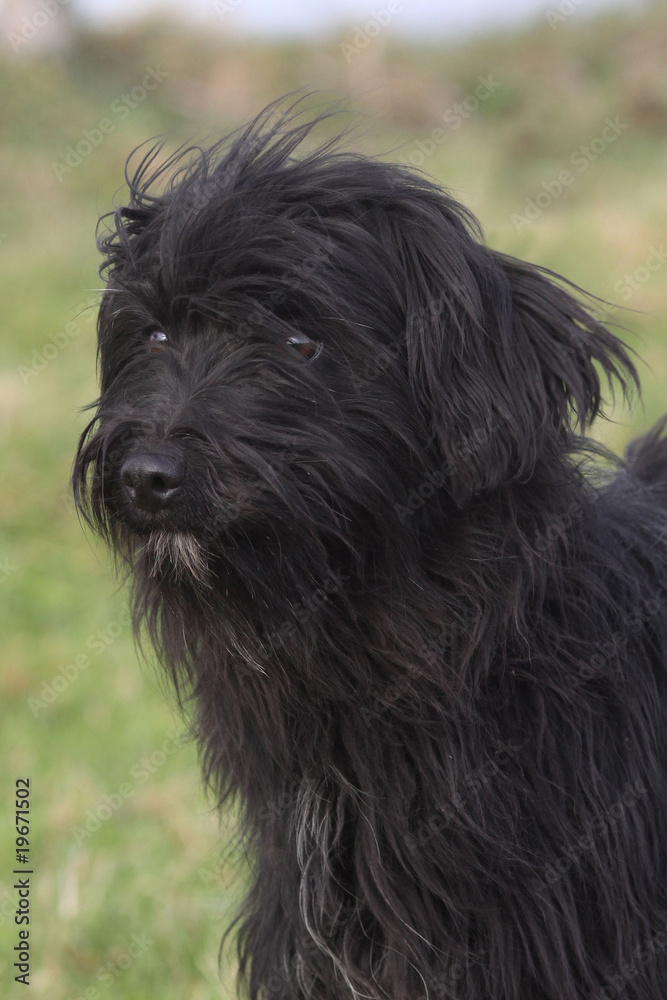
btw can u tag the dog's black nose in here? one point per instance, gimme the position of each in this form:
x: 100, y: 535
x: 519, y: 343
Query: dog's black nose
x: 152, y: 479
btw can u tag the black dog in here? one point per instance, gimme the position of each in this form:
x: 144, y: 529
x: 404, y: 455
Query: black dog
x: 340, y: 444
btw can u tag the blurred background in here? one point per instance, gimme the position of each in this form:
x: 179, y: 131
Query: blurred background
x: 548, y: 120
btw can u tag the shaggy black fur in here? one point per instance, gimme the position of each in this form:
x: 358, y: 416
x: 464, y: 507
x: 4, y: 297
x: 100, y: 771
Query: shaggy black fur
x: 340, y: 445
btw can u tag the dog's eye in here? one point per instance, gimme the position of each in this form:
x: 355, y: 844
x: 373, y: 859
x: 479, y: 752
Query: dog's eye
x: 158, y: 341
x: 306, y: 347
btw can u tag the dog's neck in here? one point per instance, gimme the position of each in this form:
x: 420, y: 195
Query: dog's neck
x: 456, y: 606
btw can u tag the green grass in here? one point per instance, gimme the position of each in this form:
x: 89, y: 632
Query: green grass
x: 154, y: 866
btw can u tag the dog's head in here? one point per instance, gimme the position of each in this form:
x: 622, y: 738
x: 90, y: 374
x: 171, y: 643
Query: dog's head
x: 294, y: 347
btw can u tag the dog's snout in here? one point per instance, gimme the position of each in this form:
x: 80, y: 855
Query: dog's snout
x: 152, y: 480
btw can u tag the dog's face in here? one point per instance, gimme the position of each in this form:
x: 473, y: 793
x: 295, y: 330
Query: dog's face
x: 291, y: 349
x: 244, y: 412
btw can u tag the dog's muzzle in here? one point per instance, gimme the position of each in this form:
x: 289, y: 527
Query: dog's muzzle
x: 152, y: 480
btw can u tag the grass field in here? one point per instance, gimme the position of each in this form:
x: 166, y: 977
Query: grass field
x: 131, y: 891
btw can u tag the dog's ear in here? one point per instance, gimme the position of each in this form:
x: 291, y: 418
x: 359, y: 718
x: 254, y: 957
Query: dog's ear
x: 504, y: 362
